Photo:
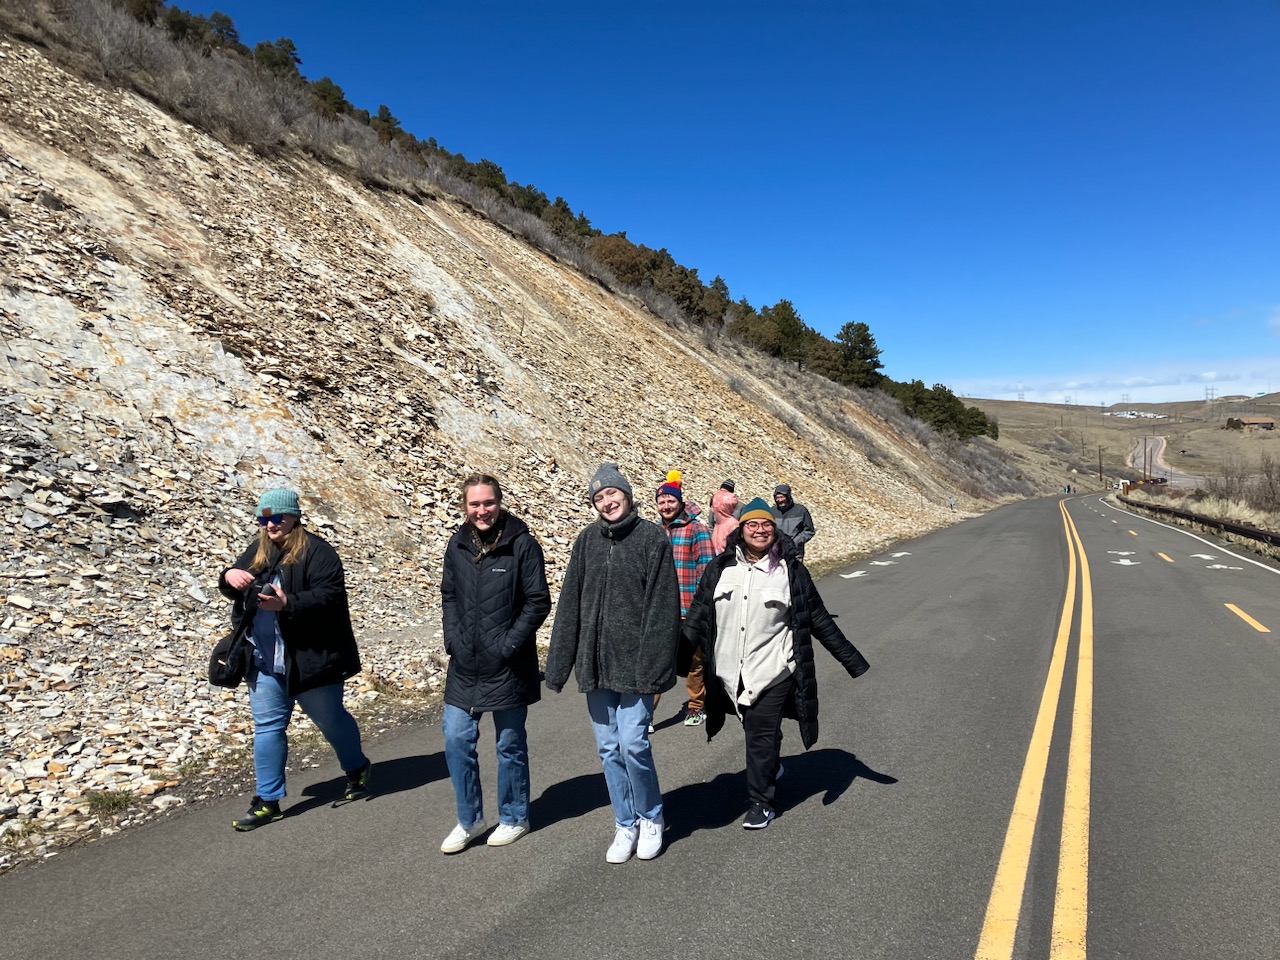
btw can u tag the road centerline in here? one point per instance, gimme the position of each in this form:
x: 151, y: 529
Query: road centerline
x: 1071, y: 906
x: 1000, y: 925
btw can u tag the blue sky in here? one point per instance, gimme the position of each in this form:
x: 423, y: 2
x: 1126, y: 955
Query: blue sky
x: 1049, y: 198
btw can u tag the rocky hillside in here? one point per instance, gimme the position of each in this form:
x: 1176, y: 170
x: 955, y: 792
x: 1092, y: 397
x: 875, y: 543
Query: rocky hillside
x: 184, y: 324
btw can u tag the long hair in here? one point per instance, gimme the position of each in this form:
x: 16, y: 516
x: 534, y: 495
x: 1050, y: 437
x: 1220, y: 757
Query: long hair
x: 292, y: 549
x: 775, y: 550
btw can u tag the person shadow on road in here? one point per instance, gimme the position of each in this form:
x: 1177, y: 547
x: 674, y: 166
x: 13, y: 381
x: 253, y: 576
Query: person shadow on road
x: 718, y: 802
x: 388, y: 776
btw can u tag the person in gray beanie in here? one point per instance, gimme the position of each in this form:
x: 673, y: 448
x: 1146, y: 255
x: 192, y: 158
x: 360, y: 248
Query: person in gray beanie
x: 617, y: 625
x: 793, y: 518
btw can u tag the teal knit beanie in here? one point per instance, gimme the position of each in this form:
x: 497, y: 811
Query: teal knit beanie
x: 757, y: 509
x: 279, y: 501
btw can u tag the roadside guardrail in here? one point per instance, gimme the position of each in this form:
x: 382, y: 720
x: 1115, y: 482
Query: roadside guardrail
x: 1226, y: 526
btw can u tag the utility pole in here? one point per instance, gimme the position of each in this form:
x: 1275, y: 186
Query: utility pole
x: 1100, y: 478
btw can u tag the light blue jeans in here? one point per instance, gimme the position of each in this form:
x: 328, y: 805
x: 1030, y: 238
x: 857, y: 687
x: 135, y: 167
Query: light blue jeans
x: 461, y: 732
x: 273, y: 708
x: 621, y: 725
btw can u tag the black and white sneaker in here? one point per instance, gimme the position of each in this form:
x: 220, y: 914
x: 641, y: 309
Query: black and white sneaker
x: 758, y: 816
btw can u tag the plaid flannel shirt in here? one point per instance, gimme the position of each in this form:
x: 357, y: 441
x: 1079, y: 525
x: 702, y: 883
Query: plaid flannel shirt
x: 691, y: 547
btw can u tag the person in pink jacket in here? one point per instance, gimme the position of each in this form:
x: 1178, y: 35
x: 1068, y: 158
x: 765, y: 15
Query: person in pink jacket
x: 723, y: 504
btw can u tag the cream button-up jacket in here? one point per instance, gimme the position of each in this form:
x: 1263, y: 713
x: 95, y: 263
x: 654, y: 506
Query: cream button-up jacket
x: 754, y: 648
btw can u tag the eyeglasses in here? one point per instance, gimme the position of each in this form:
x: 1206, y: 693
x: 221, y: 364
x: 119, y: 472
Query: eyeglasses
x: 757, y: 524
x: 277, y: 519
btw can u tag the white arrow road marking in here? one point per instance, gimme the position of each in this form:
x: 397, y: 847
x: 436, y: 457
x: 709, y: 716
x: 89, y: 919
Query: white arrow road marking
x: 1221, y: 566
x: 1204, y: 556
x: 856, y: 573
x: 903, y: 554
x: 1127, y: 563
x: 1123, y: 553
x: 884, y: 563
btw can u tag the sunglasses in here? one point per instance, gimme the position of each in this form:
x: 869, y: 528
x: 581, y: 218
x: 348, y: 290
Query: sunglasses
x: 278, y: 519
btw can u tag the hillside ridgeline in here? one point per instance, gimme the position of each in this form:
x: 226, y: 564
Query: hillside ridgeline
x: 185, y: 324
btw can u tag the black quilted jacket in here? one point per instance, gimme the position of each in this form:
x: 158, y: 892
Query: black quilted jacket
x: 809, y: 618
x: 319, y: 644
x: 492, y: 611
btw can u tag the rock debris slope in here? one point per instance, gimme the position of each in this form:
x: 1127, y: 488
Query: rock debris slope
x: 185, y: 324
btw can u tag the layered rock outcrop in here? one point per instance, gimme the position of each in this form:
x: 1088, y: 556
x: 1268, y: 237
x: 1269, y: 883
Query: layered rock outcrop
x: 184, y: 324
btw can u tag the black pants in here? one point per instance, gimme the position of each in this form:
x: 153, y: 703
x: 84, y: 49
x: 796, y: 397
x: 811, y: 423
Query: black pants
x: 762, y: 728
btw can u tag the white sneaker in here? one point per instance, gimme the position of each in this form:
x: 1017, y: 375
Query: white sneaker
x: 650, y: 843
x: 508, y: 833
x: 624, y: 845
x: 460, y: 837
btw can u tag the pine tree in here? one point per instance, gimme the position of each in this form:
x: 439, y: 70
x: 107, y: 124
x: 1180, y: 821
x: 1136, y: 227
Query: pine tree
x: 386, y: 126
x: 859, y: 355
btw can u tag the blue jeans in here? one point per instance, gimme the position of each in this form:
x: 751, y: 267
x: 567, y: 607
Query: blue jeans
x: 461, y: 732
x: 620, y: 722
x: 273, y: 708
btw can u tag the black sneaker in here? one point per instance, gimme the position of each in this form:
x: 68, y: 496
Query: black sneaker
x: 261, y: 812
x: 758, y: 816
x: 358, y: 783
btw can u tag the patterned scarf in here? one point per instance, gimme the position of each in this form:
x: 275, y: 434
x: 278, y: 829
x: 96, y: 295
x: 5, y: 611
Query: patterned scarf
x: 486, y: 545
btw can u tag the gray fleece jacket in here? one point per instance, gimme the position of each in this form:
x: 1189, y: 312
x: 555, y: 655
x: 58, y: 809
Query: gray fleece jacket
x: 618, y: 617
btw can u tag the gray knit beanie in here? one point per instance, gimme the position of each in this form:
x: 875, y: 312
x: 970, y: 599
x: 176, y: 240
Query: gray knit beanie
x: 608, y: 476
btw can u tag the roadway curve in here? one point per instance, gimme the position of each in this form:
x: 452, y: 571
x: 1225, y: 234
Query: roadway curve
x: 1157, y: 466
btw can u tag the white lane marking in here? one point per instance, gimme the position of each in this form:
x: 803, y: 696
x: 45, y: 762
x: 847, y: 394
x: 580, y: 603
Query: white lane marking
x: 902, y: 554
x: 1185, y: 533
x: 884, y: 563
x: 856, y: 573
x: 1123, y: 553
x: 1203, y: 556
x: 1221, y: 566
x: 1127, y: 563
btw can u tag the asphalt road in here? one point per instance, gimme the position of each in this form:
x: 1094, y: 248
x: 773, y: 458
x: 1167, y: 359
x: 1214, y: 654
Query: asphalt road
x: 893, y: 831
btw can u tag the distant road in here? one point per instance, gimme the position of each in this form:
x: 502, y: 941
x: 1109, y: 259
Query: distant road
x: 1149, y: 452
x: 1068, y: 733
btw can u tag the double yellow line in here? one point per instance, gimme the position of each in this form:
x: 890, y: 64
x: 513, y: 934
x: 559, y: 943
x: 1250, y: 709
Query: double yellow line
x: 1071, y: 902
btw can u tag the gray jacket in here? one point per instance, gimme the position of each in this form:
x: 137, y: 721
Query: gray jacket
x: 795, y: 522
x: 618, y: 617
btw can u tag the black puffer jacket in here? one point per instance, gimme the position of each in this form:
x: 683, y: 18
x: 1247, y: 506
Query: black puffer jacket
x: 492, y: 611
x: 809, y: 618
x: 319, y: 644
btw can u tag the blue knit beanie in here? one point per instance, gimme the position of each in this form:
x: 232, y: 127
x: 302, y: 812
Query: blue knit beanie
x: 274, y: 502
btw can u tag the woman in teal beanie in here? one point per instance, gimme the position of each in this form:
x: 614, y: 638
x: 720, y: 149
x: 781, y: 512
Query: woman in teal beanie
x: 290, y: 583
